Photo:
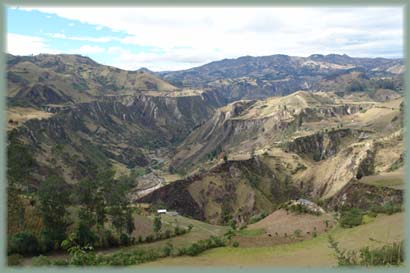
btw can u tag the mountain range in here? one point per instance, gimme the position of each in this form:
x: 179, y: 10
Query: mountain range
x: 226, y: 140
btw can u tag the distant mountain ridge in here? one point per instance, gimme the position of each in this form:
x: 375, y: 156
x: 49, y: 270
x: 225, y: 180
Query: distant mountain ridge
x: 258, y: 77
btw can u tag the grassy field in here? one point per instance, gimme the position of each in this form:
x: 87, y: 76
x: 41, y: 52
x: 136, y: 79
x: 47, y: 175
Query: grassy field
x: 16, y: 116
x: 309, y: 253
x: 200, y: 231
x: 393, y: 180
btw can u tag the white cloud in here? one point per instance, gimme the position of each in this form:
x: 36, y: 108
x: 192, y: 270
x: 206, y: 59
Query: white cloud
x: 88, y: 39
x: 88, y: 49
x: 17, y: 44
x: 157, y: 61
x: 197, y: 35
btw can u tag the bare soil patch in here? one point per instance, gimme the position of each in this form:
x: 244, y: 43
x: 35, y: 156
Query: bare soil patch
x: 282, y: 223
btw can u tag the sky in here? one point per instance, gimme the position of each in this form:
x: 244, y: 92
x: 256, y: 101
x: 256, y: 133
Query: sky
x: 176, y: 38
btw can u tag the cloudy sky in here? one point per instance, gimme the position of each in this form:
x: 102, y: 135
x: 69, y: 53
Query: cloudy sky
x: 179, y: 38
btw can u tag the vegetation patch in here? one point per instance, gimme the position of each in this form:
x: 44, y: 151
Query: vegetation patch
x: 387, y: 255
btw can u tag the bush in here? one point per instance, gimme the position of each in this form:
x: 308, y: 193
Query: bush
x: 258, y: 217
x: 372, y: 214
x: 297, y: 233
x: 168, y: 234
x: 229, y: 234
x: 108, y: 240
x: 235, y: 244
x: 200, y: 246
x: 149, y: 239
x: 46, y: 244
x: 168, y: 249
x: 14, y: 259
x: 389, y: 208
x: 124, y: 239
x: 24, y: 243
x: 85, y: 236
x: 60, y: 262
x: 351, y: 218
x: 177, y: 230
x: 389, y: 254
x: 41, y: 261
x: 194, y: 249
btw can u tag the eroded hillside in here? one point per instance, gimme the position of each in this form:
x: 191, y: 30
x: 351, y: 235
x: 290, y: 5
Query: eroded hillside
x: 217, y: 142
x: 253, y: 155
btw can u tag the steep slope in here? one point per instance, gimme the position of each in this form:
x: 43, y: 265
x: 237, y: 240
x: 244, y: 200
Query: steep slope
x: 263, y: 153
x: 73, y: 113
x: 206, y: 157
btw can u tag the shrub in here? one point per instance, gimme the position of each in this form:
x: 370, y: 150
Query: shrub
x: 388, y: 208
x: 85, y: 236
x: 297, y: 233
x: 14, y: 259
x: 389, y: 254
x: 41, y: 261
x: 200, y: 246
x: 229, y: 234
x: 391, y: 208
x: 351, y: 218
x: 177, y: 230
x: 124, y: 239
x: 235, y: 244
x: 60, y: 262
x: 168, y: 249
x: 108, y: 240
x: 157, y: 224
x: 168, y: 234
x: 194, y: 249
x: 46, y: 244
x: 182, y: 251
x: 372, y: 214
x: 258, y: 217
x: 24, y: 243
x: 190, y: 226
x: 149, y: 239
x: 159, y: 236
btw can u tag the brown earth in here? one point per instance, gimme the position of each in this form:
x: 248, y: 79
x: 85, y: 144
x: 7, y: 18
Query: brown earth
x: 282, y: 223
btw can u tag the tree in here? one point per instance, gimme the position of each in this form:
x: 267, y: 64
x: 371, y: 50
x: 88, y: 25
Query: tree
x: 129, y: 222
x: 54, y: 198
x: 157, y: 224
x: 19, y: 162
x: 104, y: 197
x: 87, y: 196
x: 15, y: 209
